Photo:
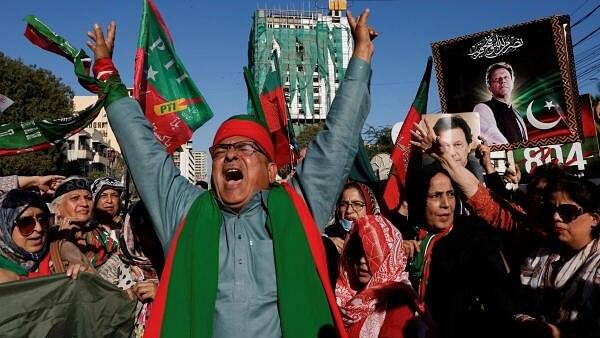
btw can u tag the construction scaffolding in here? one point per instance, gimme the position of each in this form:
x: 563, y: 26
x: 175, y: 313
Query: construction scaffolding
x: 314, y: 50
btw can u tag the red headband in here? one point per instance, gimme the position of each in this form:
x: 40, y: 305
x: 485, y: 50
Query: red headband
x: 250, y: 129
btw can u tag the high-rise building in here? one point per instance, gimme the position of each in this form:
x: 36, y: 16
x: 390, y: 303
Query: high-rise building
x: 313, y: 50
x: 200, y: 165
x: 95, y: 147
x: 184, y: 160
x: 100, y: 123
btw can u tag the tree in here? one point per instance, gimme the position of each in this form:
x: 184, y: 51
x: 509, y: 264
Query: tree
x: 378, y: 140
x: 72, y: 168
x: 308, y: 133
x: 37, y: 94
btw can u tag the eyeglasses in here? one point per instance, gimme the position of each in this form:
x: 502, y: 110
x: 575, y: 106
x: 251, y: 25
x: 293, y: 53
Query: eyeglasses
x: 244, y: 148
x: 567, y: 212
x: 26, y: 225
x: 356, y: 205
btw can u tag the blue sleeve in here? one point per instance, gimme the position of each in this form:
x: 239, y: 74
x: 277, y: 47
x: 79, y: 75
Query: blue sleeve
x: 166, y: 194
x: 320, y: 177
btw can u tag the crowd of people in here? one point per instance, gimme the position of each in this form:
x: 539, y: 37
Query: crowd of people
x: 314, y: 256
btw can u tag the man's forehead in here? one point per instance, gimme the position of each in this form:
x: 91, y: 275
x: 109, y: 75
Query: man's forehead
x: 235, y: 139
x: 500, y: 72
x: 453, y: 135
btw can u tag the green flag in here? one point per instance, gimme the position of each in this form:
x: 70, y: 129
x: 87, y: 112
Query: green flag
x: 57, y: 306
x: 168, y: 96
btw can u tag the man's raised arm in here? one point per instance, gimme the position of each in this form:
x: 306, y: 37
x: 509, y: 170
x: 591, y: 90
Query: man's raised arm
x: 166, y: 193
x: 321, y: 175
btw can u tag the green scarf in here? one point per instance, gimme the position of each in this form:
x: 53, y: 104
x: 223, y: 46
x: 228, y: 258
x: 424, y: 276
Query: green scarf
x: 7, y: 264
x: 191, y: 288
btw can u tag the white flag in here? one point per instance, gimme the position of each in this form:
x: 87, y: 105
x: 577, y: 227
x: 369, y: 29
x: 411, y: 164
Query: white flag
x: 5, y: 102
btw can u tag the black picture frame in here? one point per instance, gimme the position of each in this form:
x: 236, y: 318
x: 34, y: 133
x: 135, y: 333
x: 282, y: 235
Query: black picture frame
x: 541, y: 55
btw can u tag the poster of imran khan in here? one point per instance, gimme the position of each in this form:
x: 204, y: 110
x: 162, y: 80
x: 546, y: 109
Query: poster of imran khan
x: 519, y: 79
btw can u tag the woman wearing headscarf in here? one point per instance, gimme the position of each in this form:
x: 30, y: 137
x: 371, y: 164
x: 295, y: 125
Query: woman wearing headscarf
x: 73, y: 206
x: 107, y: 196
x: 138, y: 265
x: 24, y: 223
x: 357, y: 200
x: 372, y: 290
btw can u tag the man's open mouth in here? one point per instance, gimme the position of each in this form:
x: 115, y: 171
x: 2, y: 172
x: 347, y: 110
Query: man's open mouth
x: 233, y: 175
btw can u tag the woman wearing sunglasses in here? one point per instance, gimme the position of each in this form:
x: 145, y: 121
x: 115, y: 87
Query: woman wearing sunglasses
x: 24, y: 223
x: 560, y: 282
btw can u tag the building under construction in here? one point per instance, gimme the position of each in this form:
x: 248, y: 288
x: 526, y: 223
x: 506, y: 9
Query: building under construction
x: 313, y: 50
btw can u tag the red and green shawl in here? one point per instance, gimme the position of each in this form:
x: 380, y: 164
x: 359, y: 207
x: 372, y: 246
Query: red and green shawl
x: 419, y: 266
x: 185, y: 303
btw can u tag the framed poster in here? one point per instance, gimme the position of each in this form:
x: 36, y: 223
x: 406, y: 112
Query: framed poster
x: 520, y: 79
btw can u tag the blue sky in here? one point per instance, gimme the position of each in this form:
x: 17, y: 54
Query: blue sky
x: 211, y: 39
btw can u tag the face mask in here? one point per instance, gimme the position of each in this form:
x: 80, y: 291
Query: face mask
x: 346, y: 224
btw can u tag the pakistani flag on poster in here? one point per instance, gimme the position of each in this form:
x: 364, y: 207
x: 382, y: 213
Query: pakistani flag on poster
x: 168, y: 96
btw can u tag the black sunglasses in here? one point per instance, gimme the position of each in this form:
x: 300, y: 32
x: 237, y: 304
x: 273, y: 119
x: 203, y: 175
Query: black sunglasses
x: 26, y: 225
x: 567, y: 212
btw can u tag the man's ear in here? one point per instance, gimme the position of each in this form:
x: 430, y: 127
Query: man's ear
x: 596, y: 216
x: 272, y: 170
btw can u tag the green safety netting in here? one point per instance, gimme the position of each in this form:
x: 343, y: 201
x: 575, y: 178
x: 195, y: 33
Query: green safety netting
x: 303, y: 50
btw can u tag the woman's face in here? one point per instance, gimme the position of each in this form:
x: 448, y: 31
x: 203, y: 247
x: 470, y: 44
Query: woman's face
x: 351, y: 205
x: 572, y: 226
x: 76, y: 204
x: 361, y: 271
x: 29, y: 231
x: 440, y: 203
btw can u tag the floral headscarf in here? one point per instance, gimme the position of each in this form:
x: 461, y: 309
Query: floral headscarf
x: 104, y: 183
x: 382, y: 246
x: 12, y: 205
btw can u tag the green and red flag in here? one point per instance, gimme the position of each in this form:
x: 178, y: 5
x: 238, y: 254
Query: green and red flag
x: 401, y: 153
x: 168, y: 96
x: 42, y: 36
x: 257, y: 110
x: 272, y: 100
x: 28, y: 136
x: 268, y: 113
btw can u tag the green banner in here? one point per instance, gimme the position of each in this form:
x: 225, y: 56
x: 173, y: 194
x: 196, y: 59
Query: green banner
x: 57, y: 306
